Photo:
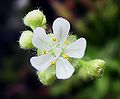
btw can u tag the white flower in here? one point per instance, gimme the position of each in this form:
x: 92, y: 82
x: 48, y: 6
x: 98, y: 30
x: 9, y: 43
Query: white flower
x: 56, y: 49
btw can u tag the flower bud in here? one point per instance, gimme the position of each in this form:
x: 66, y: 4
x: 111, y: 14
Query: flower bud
x: 95, y: 67
x: 47, y: 77
x: 25, y: 40
x: 34, y: 19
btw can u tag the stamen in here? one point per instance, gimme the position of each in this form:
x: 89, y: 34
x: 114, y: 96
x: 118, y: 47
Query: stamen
x: 65, y: 56
x: 53, y: 62
x: 44, y: 52
x: 66, y: 42
x: 54, y: 39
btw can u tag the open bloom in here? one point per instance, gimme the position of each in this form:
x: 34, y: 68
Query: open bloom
x: 56, y: 49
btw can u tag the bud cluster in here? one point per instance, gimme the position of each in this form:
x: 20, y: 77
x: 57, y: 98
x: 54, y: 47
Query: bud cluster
x: 33, y: 19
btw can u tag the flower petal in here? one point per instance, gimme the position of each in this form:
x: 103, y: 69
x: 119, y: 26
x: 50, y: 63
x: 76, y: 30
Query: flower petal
x: 57, y: 52
x: 64, y: 69
x: 41, y: 39
x: 42, y: 62
x: 76, y: 49
x: 61, y: 28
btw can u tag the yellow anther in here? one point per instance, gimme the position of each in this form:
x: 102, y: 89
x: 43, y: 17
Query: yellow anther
x: 66, y: 42
x: 53, y: 62
x: 65, y: 56
x: 44, y: 52
x: 54, y: 39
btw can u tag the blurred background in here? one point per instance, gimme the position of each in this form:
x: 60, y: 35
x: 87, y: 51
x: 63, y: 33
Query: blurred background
x: 96, y: 20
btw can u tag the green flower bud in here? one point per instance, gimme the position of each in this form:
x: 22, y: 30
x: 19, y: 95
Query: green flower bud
x: 95, y: 67
x: 34, y: 19
x: 25, y: 40
x: 47, y: 77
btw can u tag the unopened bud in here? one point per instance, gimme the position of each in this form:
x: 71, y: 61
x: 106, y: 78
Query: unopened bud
x: 47, y: 77
x: 25, y: 40
x: 93, y: 68
x: 35, y: 19
x: 96, y: 67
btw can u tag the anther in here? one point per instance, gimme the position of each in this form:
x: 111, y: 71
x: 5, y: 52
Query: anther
x: 53, y: 62
x: 65, y: 56
x: 54, y: 39
x: 66, y: 42
x: 44, y: 52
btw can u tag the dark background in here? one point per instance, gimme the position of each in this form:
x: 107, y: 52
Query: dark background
x: 97, y: 20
